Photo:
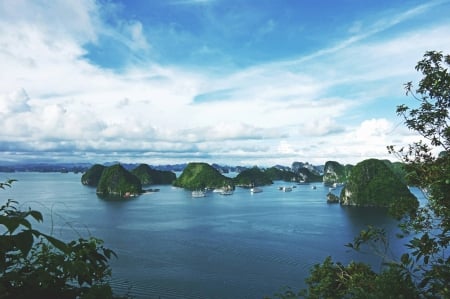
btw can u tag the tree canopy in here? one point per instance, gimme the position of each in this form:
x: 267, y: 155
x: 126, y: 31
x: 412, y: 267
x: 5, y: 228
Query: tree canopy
x: 37, y: 265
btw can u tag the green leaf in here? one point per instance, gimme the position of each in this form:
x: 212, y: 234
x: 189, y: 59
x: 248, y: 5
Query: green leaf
x: 405, y: 259
x: 11, y: 223
x: 24, y: 241
x: 57, y: 243
x: 37, y: 216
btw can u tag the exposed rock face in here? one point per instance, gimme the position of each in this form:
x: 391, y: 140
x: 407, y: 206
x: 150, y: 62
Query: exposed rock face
x: 149, y: 176
x: 116, y: 181
x: 334, y: 172
x: 92, y: 176
x: 252, y: 177
x: 373, y: 184
x: 197, y: 176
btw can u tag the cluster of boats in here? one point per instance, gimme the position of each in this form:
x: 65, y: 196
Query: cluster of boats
x: 221, y: 191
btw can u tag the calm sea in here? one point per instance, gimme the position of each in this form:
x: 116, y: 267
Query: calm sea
x: 170, y: 245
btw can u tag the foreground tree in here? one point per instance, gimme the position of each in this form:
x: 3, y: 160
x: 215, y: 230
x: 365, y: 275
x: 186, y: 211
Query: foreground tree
x: 424, y: 271
x: 37, y: 265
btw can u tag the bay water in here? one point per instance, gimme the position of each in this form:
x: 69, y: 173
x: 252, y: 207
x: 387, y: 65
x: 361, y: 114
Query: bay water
x: 170, y: 245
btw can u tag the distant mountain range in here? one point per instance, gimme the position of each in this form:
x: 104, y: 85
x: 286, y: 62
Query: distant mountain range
x: 83, y: 167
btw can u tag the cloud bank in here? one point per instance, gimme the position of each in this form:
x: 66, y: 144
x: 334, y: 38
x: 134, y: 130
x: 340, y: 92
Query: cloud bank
x: 337, y: 103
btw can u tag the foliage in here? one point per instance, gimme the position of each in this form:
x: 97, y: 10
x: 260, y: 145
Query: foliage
x: 117, y: 181
x: 372, y: 183
x: 148, y: 175
x: 92, y: 176
x: 252, y: 177
x: 37, y: 265
x: 198, y: 176
x: 424, y: 270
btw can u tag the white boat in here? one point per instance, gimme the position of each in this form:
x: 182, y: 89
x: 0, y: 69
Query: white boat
x: 255, y: 190
x: 226, y: 192
x: 286, y: 189
x: 198, y: 193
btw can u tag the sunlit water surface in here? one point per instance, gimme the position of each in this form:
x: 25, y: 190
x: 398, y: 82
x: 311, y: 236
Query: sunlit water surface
x: 170, y: 245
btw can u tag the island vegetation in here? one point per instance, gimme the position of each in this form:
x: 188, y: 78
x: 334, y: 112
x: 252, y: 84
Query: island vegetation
x: 372, y: 183
x: 117, y: 182
x: 335, y: 173
x: 252, y: 177
x: 92, y: 176
x: 150, y: 176
x: 199, y: 176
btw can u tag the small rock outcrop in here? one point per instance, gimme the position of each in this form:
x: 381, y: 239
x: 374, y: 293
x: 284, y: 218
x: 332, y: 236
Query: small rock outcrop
x: 332, y: 198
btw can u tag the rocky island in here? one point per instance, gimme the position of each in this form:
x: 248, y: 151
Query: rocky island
x: 150, y: 176
x: 372, y: 183
x: 252, y: 177
x: 199, y: 176
x: 118, y: 182
x: 92, y: 176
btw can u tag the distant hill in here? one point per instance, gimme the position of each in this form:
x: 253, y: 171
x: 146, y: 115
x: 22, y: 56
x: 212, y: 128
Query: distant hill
x: 252, y: 177
x: 116, y: 181
x: 199, y: 175
x: 149, y: 176
x: 280, y: 174
x: 373, y: 184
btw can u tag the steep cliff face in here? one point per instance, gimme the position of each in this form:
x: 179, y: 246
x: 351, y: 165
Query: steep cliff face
x: 373, y: 184
x: 202, y: 175
x: 334, y: 172
x: 149, y: 176
x: 92, y: 176
x: 116, y: 181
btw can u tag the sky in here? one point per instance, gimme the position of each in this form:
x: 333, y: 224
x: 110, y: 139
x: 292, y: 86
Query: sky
x: 231, y: 82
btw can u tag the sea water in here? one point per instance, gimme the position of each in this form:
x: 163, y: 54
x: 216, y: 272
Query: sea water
x: 170, y: 245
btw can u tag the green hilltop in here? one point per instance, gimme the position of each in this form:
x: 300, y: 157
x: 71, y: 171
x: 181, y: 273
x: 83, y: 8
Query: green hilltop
x: 150, y: 176
x: 372, y: 183
x: 116, y: 181
x: 199, y: 175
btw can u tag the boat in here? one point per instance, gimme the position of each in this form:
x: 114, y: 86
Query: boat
x: 226, y: 192
x: 286, y: 189
x: 313, y: 187
x: 198, y: 193
x: 255, y: 190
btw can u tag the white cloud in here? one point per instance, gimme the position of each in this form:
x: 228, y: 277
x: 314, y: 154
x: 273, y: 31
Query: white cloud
x: 278, y: 111
x: 15, y: 102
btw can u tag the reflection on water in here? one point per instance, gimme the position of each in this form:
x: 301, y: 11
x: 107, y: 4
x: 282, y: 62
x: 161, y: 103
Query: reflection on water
x: 171, y: 245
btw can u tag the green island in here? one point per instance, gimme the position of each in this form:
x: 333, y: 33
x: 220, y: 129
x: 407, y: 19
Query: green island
x: 372, y: 183
x: 118, y: 182
x: 252, y: 177
x: 199, y: 176
x: 150, y: 176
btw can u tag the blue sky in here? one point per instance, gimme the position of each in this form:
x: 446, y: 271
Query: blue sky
x: 232, y: 82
